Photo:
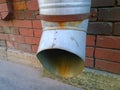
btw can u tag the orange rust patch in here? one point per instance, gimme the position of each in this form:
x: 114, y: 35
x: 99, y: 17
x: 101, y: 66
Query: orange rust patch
x: 61, y: 24
x: 64, y: 68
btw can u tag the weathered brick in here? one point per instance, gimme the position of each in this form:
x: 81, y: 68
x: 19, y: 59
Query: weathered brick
x: 37, y: 33
x: 1, y: 30
x: 6, y: 30
x: 2, y: 1
x: 102, y: 3
x: 26, y: 32
x: 89, y: 51
x: 108, y: 42
x: 109, y: 14
x: 94, y: 14
x: 108, y: 54
x: 32, y: 40
x: 117, y: 29
x: 20, y: 5
x: 14, y: 30
x: 4, y: 15
x: 29, y: 14
x: 11, y: 30
x: 23, y: 23
x: 6, y: 23
x: 17, y: 0
x: 10, y: 44
x: 16, y: 38
x: 32, y: 5
x: 108, y: 66
x: 24, y: 47
x: 100, y: 28
x: 3, y: 36
x: 89, y: 62
x: 37, y: 24
x: 6, y: 10
x: 2, y: 43
x: 3, y: 7
x: 0, y: 17
x: 34, y: 48
x: 90, y: 40
x: 19, y: 14
x: 16, y: 45
x: 37, y: 15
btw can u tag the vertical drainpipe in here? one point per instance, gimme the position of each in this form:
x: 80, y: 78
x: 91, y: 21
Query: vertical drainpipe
x: 62, y: 47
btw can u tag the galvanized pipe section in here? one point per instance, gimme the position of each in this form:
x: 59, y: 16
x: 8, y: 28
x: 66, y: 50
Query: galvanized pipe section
x: 62, y: 46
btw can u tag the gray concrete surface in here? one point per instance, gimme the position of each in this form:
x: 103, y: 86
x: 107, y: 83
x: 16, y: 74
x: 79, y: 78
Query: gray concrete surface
x: 20, y: 77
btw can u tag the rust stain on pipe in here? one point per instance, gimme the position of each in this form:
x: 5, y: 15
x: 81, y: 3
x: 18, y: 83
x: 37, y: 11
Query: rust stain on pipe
x: 64, y: 18
x: 61, y: 24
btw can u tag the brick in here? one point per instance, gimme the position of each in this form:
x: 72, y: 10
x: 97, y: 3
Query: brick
x: 108, y: 42
x: 29, y: 14
x: 37, y: 14
x: 37, y: 24
x: 24, y: 47
x: 90, y: 40
x: 2, y: 43
x: 34, y: 48
x: 109, y: 14
x: 3, y: 7
x: 32, y: 5
x: 104, y: 28
x: 4, y: 15
x: 1, y: 30
x: 32, y: 40
x: 6, y: 10
x: 0, y: 17
x: 89, y: 62
x: 23, y: 23
x: 26, y: 32
x: 17, y: 0
x: 19, y: 14
x: 118, y: 2
x: 16, y: 45
x: 6, y: 30
x: 89, y: 51
x: 12, y: 37
x: 94, y: 14
x: 102, y: 3
x: 2, y: 1
x: 20, y: 39
x: 108, y: 54
x: 3, y: 36
x: 16, y: 38
x: 20, y: 5
x: 37, y: 33
x: 14, y: 30
x: 10, y: 44
x: 108, y: 66
x: 11, y: 30
x: 6, y: 23
x: 117, y: 29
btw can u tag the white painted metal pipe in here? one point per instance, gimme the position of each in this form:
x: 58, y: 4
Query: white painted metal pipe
x: 62, y: 47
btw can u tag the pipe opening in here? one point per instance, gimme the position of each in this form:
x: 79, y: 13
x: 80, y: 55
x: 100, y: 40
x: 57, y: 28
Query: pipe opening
x: 61, y: 62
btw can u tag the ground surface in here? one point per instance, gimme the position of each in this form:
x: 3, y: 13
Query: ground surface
x: 20, y: 77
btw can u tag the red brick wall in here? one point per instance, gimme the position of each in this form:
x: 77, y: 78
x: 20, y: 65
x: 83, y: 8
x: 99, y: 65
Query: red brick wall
x: 103, y: 51
x: 103, y: 40
x: 24, y: 31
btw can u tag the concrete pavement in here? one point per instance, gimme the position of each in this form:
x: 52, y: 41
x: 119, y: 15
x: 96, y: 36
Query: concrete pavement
x: 20, y: 77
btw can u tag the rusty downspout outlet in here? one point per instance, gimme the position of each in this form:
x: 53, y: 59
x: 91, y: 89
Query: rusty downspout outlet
x: 62, y: 47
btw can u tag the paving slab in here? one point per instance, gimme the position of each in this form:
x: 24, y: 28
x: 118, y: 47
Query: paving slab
x: 15, y: 76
